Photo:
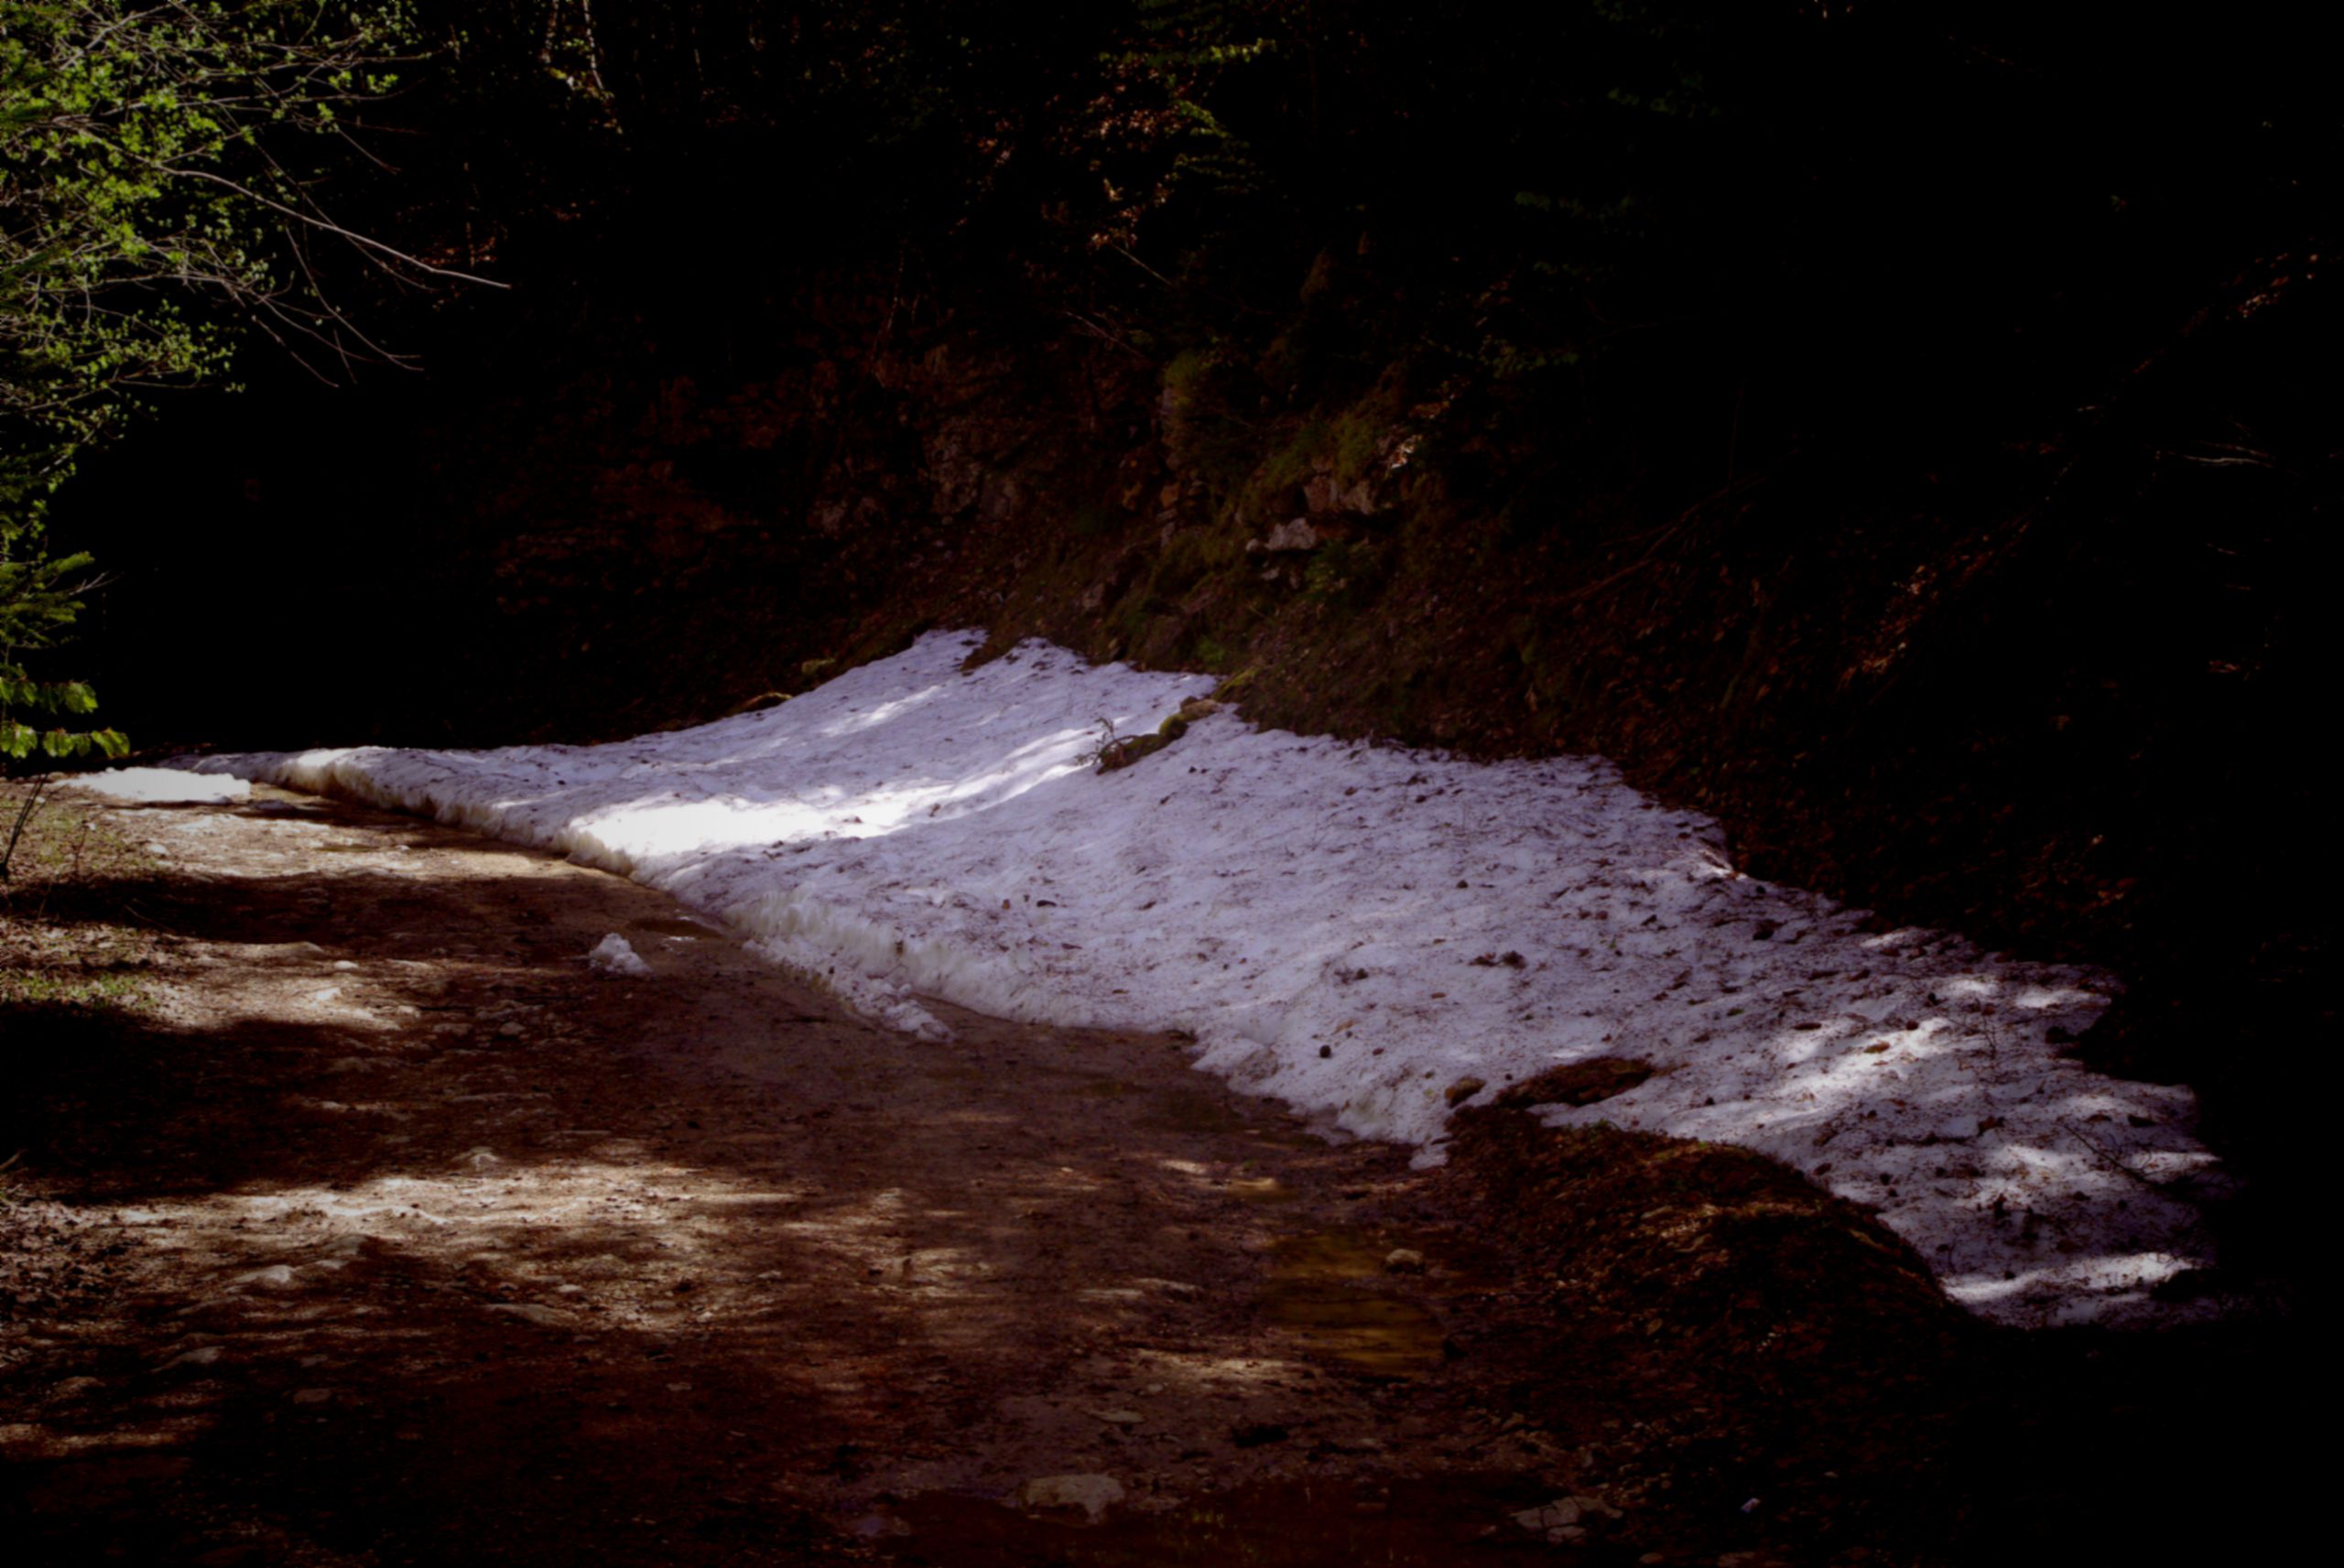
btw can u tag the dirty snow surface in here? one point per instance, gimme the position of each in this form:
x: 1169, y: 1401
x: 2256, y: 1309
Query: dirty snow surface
x: 615, y: 955
x: 1356, y: 928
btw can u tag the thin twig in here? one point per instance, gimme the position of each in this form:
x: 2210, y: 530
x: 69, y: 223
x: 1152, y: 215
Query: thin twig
x: 2121, y: 1169
x: 24, y: 815
x: 1664, y: 534
x: 131, y: 907
x: 314, y: 221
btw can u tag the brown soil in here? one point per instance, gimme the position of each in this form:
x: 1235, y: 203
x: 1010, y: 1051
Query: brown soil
x: 380, y: 1229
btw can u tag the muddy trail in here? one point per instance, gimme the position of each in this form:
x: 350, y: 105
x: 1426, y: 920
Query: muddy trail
x: 376, y: 1228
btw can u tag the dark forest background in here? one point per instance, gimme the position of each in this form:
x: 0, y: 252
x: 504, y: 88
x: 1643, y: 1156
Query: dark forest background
x: 1908, y: 431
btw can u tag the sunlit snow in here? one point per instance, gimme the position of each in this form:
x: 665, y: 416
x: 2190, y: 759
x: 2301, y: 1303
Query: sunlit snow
x: 159, y: 786
x: 1354, y: 928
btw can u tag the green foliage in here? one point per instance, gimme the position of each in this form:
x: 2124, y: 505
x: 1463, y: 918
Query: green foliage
x: 150, y: 197
x: 39, y: 599
x: 1162, y: 135
x: 1190, y: 373
x: 1347, y: 574
x: 144, y: 166
x: 58, y: 698
x: 34, y: 988
x: 79, y: 949
x: 1201, y: 387
x: 1294, y: 459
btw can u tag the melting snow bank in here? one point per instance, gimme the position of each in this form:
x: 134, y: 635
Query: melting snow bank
x: 1354, y: 928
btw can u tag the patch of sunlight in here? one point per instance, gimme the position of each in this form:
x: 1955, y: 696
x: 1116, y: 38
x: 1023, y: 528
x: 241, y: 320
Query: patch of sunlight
x: 173, y: 1431
x: 2081, y: 1287
x: 1222, y: 1373
x: 2039, y: 997
x: 1797, y: 1047
x: 870, y: 718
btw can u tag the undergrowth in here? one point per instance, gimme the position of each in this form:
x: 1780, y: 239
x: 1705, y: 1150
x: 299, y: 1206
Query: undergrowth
x: 66, y: 938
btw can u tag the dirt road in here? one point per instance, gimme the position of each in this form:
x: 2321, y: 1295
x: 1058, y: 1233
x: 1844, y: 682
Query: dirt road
x: 384, y: 1230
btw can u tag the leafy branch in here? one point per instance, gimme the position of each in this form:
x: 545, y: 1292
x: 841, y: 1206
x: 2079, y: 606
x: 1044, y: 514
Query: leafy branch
x: 153, y: 200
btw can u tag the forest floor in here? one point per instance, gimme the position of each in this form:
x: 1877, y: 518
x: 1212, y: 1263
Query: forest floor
x: 360, y: 1221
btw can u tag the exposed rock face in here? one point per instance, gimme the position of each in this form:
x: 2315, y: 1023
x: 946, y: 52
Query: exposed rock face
x: 1297, y: 533
x: 1325, y: 493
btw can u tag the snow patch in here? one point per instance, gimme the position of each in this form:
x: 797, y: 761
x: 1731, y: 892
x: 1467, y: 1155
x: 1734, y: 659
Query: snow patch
x: 834, y: 967
x: 615, y: 955
x: 1354, y: 928
x: 161, y: 787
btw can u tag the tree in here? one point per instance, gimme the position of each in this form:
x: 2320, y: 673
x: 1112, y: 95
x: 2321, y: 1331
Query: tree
x: 160, y: 166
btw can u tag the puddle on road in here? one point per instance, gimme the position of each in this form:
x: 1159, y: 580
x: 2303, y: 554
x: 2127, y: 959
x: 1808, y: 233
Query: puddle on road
x: 1192, y: 1110
x: 1212, y: 1111
x: 1435, y: 1522
x: 1323, y: 1290
x: 1260, y: 1189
